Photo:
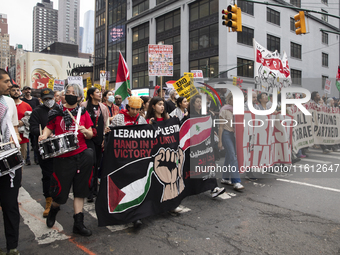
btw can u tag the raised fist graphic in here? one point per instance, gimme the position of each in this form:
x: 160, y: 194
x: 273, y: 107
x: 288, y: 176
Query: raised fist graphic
x: 168, y: 167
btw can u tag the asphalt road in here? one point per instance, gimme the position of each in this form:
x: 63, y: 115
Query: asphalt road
x: 296, y: 213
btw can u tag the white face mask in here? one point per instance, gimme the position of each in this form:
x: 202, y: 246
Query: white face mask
x: 49, y: 103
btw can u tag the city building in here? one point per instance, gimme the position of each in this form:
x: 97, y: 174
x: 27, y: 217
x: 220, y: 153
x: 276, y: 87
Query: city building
x: 45, y: 25
x: 201, y: 42
x: 81, y: 33
x: 68, y: 21
x: 4, y: 42
x: 88, y: 35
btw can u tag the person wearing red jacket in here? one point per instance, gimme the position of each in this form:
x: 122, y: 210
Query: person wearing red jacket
x: 22, y: 107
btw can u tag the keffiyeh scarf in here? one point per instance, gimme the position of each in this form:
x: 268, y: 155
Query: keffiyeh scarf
x: 58, y: 111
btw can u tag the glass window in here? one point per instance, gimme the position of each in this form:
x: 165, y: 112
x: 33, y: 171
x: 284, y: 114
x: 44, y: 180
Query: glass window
x: 273, y: 43
x: 324, y: 59
x: 295, y: 50
x: 203, y: 9
x: 297, y: 3
x: 204, y: 37
x: 292, y: 24
x: 209, y: 66
x: 296, y: 76
x: 246, y: 37
x: 247, y: 70
x: 323, y: 16
x: 246, y: 7
x: 324, y: 37
x: 273, y: 16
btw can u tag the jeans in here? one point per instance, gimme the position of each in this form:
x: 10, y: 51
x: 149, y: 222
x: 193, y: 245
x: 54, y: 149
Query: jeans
x: 228, y: 142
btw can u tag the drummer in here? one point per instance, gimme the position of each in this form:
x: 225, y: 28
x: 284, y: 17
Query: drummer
x: 9, y: 183
x: 72, y: 168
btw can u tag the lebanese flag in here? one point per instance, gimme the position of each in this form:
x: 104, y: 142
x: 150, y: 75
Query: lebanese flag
x: 122, y: 78
x: 194, y: 131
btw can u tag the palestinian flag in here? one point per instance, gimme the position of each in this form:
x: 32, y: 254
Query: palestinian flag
x: 133, y: 194
x: 194, y: 131
x: 337, y: 83
x: 122, y: 78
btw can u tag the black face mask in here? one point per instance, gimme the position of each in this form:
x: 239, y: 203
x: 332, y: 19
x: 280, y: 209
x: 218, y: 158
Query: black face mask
x: 71, y: 99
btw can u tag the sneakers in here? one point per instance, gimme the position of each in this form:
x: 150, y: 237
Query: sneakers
x: 47, y: 207
x: 326, y: 151
x: 28, y: 162
x: 227, y: 182
x: 217, y: 191
x: 50, y: 220
x: 178, y: 209
x: 137, y: 223
x: 302, y: 156
x: 238, y: 186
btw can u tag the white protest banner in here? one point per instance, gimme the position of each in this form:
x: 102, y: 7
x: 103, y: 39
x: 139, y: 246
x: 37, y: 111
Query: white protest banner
x: 328, y: 86
x: 303, y: 132
x: 270, y: 71
x: 59, y: 85
x: 75, y: 80
x: 198, y: 78
x: 103, y: 78
x: 160, y: 60
x: 263, y: 140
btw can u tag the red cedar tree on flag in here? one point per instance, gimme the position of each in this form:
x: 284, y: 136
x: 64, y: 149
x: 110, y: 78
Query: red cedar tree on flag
x: 122, y: 78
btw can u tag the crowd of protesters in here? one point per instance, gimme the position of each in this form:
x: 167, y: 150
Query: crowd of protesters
x: 55, y: 113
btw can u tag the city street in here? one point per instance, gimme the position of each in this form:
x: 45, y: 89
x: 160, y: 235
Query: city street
x: 286, y: 214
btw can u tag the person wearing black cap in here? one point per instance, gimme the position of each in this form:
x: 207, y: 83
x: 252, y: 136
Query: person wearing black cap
x: 33, y: 102
x: 39, y: 116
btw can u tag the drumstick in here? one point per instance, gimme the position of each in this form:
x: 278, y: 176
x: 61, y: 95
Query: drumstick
x: 40, y: 129
x: 73, y: 117
x: 3, y: 144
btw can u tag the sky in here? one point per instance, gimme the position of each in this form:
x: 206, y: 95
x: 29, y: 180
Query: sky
x: 19, y: 18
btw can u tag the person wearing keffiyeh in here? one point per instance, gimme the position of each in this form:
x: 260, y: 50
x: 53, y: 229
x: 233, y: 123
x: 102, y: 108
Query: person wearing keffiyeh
x: 9, y: 183
x: 72, y: 168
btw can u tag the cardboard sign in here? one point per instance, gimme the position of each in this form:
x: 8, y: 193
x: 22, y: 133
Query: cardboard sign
x: 198, y: 78
x: 160, y: 60
x: 328, y: 86
x: 98, y: 86
x: 102, y: 78
x: 88, y: 83
x: 185, y: 88
x: 59, y: 85
x: 50, y: 84
x: 75, y: 80
x: 107, y: 85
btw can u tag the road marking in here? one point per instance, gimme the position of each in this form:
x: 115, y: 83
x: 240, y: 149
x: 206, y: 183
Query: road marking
x: 31, y: 211
x: 224, y: 196
x: 316, y: 161
x: 310, y: 185
x: 327, y: 156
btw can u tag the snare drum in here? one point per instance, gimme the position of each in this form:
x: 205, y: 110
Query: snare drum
x: 10, y: 161
x: 58, y: 145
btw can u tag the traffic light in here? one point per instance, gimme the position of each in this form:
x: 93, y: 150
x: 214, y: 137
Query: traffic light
x: 232, y: 18
x: 300, y: 23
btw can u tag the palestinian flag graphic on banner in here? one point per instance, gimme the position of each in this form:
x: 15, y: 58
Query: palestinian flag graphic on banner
x: 146, y: 172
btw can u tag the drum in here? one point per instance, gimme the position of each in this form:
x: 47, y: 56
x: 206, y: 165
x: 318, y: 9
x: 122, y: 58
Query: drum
x: 10, y: 160
x: 58, y: 145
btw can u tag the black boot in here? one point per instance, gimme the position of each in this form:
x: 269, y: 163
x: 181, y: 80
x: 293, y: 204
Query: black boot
x: 50, y: 220
x: 78, y: 227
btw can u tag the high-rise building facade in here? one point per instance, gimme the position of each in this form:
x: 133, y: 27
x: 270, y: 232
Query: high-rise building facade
x: 81, y: 34
x: 201, y: 42
x: 88, y: 34
x: 45, y: 25
x: 4, y: 42
x: 68, y: 21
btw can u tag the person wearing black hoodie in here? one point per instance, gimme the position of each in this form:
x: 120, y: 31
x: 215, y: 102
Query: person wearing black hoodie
x: 38, y: 117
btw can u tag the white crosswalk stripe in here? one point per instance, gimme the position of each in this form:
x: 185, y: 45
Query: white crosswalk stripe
x: 31, y: 212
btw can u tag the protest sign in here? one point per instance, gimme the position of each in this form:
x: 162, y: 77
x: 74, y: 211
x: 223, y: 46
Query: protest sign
x: 160, y: 60
x: 75, y: 80
x: 59, y: 85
